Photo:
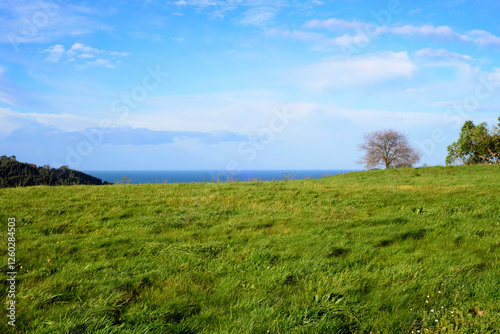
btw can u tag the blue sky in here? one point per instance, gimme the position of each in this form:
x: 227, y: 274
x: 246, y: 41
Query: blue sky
x: 239, y: 84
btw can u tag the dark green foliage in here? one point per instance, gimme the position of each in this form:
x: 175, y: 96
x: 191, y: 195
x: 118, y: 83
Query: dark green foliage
x: 19, y: 174
x: 476, y: 144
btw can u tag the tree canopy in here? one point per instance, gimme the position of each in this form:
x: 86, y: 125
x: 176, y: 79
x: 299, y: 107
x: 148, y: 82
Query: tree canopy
x: 476, y: 144
x: 14, y: 173
x: 388, y: 148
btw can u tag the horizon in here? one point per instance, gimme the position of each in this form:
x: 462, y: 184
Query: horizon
x: 218, y: 170
x: 240, y: 85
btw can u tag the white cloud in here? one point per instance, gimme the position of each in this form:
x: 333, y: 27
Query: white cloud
x: 442, y: 55
x: 55, y: 53
x: 478, y: 37
x: 364, y: 31
x: 429, y: 30
x: 322, y: 41
x: 334, y: 24
x: 357, y: 71
x: 78, y: 47
x: 84, y: 53
x: 254, y: 12
x: 43, y: 22
x: 4, y: 97
x: 484, y: 38
x: 101, y: 62
x: 347, y: 40
x: 11, y: 120
x: 466, y: 73
x: 119, y: 54
x: 242, y: 112
x: 258, y: 16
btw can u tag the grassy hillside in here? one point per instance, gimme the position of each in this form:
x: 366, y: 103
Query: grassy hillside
x: 381, y: 251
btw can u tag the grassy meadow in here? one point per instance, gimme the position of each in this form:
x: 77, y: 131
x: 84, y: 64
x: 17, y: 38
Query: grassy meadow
x: 382, y: 251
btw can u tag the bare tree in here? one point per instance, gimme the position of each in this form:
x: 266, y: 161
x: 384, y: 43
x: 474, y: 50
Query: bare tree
x: 389, y: 148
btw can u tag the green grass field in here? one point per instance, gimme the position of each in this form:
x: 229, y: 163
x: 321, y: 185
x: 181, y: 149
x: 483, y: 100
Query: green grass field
x: 383, y: 251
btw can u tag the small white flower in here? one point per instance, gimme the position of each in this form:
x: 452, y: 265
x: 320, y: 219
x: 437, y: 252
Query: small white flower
x: 439, y: 291
x: 432, y: 310
x: 436, y: 320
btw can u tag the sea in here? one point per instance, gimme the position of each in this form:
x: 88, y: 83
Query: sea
x: 187, y: 176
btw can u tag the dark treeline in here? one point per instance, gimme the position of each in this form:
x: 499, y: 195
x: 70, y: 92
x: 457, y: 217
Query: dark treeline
x: 18, y: 174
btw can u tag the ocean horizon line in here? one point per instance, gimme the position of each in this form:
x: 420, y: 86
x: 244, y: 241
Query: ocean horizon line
x: 199, y: 176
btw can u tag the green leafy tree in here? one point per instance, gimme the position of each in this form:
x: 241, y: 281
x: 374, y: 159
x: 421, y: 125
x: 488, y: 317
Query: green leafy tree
x: 476, y: 144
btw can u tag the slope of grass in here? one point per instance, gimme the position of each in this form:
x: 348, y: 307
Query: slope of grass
x: 380, y: 251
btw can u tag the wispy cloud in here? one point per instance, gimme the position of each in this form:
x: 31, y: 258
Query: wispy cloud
x: 428, y: 30
x: 258, y: 16
x: 11, y: 121
x: 254, y: 12
x: 67, y: 129
x: 45, y: 21
x: 101, y: 62
x: 478, y: 37
x: 444, y: 58
x: 55, y: 53
x: 322, y: 41
x: 357, y: 71
x: 334, y: 24
x: 358, y: 32
x: 442, y: 55
x: 79, y: 52
x: 484, y: 38
x: 6, y: 92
